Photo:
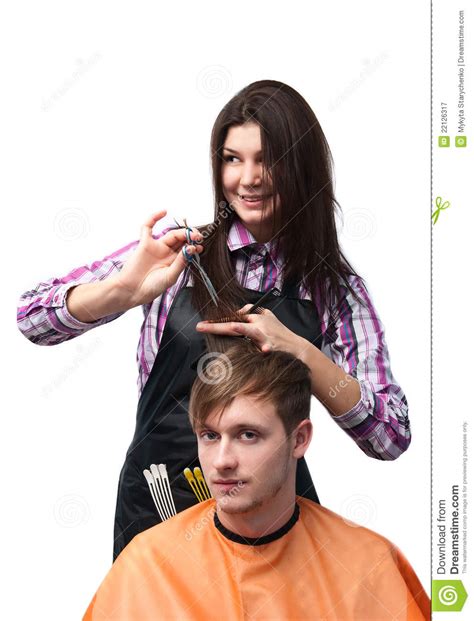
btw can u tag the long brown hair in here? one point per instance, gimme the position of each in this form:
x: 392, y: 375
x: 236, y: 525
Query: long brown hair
x: 297, y: 158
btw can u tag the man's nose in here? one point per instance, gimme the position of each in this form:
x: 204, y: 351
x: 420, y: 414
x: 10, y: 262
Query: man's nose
x: 225, y: 457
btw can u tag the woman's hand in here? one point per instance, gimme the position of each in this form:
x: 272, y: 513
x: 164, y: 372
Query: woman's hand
x: 264, y: 329
x: 156, y: 263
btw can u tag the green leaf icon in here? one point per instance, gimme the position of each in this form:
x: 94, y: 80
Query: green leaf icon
x: 448, y: 595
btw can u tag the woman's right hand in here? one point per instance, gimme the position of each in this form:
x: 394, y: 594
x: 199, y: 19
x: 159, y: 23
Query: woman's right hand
x: 155, y: 264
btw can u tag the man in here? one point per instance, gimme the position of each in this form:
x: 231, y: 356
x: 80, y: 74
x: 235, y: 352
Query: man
x: 256, y: 550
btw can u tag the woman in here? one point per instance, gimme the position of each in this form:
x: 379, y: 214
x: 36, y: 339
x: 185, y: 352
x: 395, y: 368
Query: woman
x: 274, y: 227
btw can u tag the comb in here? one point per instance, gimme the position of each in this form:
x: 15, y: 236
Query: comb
x: 256, y: 308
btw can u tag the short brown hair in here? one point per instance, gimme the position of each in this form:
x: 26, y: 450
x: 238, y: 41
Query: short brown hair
x: 243, y: 369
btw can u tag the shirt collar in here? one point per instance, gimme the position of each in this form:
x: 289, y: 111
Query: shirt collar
x: 239, y: 237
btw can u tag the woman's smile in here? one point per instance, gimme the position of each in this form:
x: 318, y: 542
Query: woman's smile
x: 244, y: 183
x: 254, y: 202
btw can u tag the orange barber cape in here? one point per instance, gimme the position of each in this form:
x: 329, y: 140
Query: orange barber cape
x: 317, y: 566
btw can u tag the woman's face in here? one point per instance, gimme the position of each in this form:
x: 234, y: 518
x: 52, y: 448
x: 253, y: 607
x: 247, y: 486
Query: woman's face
x: 242, y: 179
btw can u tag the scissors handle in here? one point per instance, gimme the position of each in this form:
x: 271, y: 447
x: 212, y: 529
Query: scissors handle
x: 187, y: 256
x: 196, y: 260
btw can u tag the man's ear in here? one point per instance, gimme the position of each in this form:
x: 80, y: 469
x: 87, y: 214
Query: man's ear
x: 302, y: 435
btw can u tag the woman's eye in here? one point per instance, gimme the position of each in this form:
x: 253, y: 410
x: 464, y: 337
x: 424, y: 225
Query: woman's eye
x: 228, y: 158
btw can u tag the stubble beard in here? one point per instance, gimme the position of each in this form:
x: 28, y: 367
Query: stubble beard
x: 255, y: 503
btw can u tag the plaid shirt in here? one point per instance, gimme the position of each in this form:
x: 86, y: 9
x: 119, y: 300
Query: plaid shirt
x: 378, y: 423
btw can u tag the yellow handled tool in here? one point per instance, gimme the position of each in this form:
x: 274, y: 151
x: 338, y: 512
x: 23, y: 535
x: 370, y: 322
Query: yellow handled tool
x: 197, y: 484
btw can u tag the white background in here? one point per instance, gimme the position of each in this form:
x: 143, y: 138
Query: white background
x: 452, y: 260
x: 107, y: 110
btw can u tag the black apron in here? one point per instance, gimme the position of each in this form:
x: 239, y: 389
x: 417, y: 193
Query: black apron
x: 163, y: 433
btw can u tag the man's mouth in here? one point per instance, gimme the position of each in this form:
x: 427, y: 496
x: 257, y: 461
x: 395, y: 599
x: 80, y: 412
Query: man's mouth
x: 227, y: 484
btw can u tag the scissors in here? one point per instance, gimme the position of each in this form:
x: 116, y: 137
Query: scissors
x: 195, y: 259
x: 439, y: 206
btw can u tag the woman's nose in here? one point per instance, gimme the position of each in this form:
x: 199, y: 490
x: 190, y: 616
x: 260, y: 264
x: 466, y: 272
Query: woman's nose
x: 251, y: 174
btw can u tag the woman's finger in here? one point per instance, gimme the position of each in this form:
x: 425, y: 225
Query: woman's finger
x: 245, y: 308
x: 253, y: 333
x: 147, y: 227
x: 179, y: 263
x: 175, y: 238
x: 154, y: 218
x: 233, y: 328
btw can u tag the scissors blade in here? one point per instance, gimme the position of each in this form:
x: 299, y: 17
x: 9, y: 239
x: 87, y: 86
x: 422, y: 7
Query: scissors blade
x: 207, y: 282
x: 197, y: 263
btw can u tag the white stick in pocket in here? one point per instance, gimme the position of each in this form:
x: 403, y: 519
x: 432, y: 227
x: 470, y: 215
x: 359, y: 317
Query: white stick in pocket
x: 166, y: 483
x: 160, y: 490
x: 151, y: 485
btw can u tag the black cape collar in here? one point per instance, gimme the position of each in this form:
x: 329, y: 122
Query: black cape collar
x: 258, y: 541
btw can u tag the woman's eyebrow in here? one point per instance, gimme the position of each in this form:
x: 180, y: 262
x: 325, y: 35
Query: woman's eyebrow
x: 234, y: 151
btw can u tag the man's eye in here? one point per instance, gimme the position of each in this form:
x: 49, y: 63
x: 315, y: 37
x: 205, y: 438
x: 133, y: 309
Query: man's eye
x: 208, y: 433
x: 249, y: 433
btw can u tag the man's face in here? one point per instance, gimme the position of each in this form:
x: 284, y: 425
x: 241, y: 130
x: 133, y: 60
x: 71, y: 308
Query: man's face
x: 245, y: 455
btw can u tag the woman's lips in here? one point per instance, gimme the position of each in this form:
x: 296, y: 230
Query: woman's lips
x: 252, y: 202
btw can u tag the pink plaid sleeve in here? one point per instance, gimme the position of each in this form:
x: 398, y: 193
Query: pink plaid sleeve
x: 379, y: 422
x: 42, y: 314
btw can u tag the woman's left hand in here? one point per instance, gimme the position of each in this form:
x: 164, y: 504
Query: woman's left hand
x: 264, y: 329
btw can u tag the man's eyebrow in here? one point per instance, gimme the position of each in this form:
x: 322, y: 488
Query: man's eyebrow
x: 236, y: 427
x: 234, y: 151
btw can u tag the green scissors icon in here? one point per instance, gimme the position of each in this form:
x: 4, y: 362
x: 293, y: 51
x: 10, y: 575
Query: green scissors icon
x: 439, y: 206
